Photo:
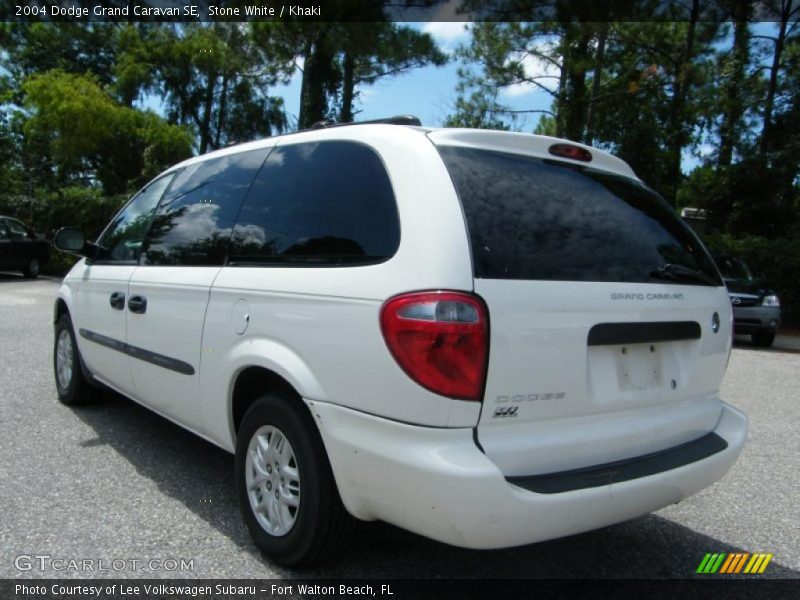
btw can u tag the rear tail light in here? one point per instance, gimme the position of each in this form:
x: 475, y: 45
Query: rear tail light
x: 440, y: 339
x: 570, y: 151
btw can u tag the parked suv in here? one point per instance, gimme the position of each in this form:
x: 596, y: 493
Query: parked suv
x: 486, y: 338
x: 756, y: 306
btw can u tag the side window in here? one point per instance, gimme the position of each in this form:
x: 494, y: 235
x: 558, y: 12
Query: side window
x: 121, y: 241
x: 3, y: 230
x: 17, y: 229
x: 318, y: 204
x: 192, y: 225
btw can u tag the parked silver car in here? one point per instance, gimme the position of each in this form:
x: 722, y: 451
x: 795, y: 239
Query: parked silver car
x: 756, y: 306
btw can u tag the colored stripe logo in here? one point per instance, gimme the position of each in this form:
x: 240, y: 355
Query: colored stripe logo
x: 735, y: 562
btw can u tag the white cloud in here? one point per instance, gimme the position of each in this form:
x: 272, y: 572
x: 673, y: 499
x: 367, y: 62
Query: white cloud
x: 447, y: 34
x: 533, y: 67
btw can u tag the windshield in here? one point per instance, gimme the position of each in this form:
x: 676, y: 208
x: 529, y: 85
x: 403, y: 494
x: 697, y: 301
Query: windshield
x: 532, y: 218
x: 733, y: 268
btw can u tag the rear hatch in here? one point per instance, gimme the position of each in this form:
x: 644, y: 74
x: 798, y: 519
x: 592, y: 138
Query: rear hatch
x: 609, y: 324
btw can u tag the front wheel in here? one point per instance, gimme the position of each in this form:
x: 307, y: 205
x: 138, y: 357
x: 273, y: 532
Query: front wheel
x: 285, y: 485
x: 71, y: 384
x: 763, y: 339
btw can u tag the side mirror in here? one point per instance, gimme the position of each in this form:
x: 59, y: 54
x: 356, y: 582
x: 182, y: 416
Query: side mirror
x: 70, y: 240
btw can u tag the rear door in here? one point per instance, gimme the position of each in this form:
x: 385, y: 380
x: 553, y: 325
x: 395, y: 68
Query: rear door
x: 168, y: 294
x: 604, y: 340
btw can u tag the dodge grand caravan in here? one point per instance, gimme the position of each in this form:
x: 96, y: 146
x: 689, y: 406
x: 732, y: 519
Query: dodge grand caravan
x: 487, y: 338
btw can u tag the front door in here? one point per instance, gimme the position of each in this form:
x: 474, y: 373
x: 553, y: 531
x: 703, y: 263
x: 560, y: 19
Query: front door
x: 100, y: 291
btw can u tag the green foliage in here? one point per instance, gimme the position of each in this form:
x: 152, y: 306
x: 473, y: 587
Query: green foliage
x: 775, y: 260
x: 477, y: 106
x: 71, y: 47
x: 499, y: 57
x: 90, y: 137
x: 78, y: 206
x: 545, y: 126
x: 213, y: 77
x: 745, y: 198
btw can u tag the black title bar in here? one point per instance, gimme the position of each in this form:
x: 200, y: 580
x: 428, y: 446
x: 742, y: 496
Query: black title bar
x: 187, y: 11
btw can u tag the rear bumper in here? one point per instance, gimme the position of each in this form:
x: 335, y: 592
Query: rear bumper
x: 437, y: 483
x: 753, y: 319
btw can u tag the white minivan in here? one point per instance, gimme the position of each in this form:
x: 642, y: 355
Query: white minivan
x: 487, y: 338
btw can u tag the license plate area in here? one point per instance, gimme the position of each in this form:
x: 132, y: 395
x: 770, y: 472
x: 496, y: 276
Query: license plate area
x: 635, y: 374
x: 639, y: 367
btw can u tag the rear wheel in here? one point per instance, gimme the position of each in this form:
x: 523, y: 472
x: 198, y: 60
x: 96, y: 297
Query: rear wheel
x: 72, y: 385
x: 31, y: 270
x: 285, y: 485
x: 763, y: 339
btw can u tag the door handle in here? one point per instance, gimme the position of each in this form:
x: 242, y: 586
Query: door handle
x: 137, y: 304
x: 117, y: 300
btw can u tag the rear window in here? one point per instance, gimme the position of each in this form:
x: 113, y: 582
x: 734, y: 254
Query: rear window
x: 531, y: 218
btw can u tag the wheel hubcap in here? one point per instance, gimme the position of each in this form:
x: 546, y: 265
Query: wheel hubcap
x: 273, y: 480
x: 64, y: 359
x: 34, y: 267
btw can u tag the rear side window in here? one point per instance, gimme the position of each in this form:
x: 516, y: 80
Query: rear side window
x: 531, y: 218
x: 193, y: 222
x: 318, y: 204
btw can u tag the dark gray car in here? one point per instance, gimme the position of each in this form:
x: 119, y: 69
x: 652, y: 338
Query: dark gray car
x: 21, y: 249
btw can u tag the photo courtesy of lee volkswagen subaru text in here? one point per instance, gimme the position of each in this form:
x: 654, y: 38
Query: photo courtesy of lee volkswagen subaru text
x: 483, y: 337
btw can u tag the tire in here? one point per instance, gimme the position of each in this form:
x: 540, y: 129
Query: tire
x: 763, y: 339
x: 31, y: 270
x: 71, y: 384
x: 318, y: 526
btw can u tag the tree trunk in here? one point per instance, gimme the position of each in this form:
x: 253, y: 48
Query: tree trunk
x: 301, y: 116
x: 575, y: 123
x: 561, y: 97
x: 348, y: 88
x: 208, y: 105
x: 597, y: 75
x: 773, y: 78
x: 316, y: 81
x: 677, y: 138
x: 223, y: 106
x: 734, y: 109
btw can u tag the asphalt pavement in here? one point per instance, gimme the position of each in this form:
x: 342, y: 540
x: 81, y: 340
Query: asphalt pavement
x: 113, y: 482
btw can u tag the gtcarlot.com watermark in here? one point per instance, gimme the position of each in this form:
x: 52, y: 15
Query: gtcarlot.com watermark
x: 46, y: 562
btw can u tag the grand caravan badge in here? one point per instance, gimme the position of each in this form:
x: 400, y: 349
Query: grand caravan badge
x: 648, y: 296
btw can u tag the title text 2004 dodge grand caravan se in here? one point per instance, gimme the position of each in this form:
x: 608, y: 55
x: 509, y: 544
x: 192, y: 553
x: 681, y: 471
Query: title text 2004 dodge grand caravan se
x: 487, y: 338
